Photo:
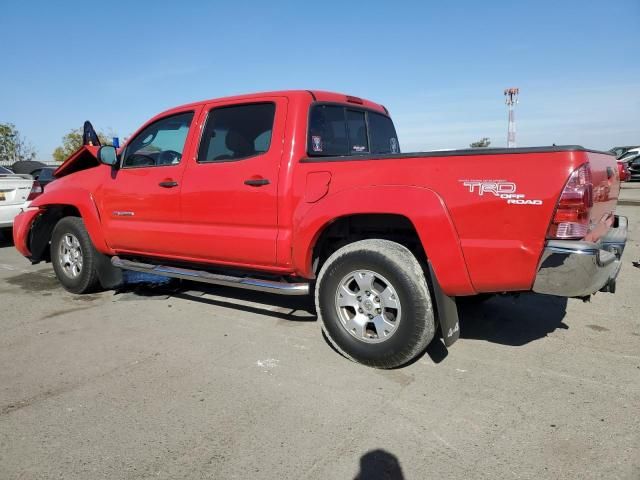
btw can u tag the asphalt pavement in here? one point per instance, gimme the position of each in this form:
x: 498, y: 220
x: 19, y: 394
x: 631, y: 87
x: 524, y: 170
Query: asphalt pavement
x: 172, y: 381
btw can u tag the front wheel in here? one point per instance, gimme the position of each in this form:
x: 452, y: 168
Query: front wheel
x: 73, y: 256
x: 373, y: 301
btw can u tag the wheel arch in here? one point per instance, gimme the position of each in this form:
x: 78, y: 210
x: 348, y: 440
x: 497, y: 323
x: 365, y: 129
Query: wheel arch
x: 416, y: 207
x: 42, y: 230
x: 58, y: 204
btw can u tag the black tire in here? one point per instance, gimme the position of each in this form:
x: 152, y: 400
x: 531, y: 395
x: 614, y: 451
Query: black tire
x: 85, y: 279
x: 394, y: 264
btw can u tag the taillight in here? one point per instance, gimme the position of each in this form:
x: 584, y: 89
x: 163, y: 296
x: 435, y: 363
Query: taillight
x: 36, y: 189
x: 571, y: 218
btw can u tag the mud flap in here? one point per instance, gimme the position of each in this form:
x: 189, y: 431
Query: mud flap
x: 109, y: 276
x: 447, y: 310
x: 40, y: 235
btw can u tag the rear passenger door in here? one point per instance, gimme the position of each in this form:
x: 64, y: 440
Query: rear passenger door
x: 230, y: 190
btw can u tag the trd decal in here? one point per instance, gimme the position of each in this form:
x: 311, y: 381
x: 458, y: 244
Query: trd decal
x: 501, y: 189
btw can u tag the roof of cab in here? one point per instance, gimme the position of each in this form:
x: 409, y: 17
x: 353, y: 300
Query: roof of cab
x: 315, y: 95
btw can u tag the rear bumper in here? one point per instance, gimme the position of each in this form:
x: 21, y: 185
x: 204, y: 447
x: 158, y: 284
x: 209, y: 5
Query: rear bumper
x: 578, y: 269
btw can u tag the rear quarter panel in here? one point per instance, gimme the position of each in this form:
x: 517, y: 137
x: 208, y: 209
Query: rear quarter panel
x: 499, y: 242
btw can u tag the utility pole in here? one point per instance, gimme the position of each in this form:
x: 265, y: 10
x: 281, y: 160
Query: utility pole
x: 511, y: 98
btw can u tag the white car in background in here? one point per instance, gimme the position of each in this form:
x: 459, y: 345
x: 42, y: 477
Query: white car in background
x: 629, y: 154
x: 16, y: 192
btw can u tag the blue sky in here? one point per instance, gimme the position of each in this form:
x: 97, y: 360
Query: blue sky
x: 440, y: 67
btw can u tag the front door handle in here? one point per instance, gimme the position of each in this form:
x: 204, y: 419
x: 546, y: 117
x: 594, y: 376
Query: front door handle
x: 256, y: 182
x: 168, y: 184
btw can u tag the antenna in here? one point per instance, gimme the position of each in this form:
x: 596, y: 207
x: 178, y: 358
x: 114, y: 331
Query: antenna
x: 511, y: 98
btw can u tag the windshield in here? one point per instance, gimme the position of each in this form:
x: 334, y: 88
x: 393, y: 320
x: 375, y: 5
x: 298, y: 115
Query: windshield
x: 5, y: 170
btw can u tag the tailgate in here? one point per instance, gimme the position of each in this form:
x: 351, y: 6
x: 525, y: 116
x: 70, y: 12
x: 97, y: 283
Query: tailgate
x: 14, y: 188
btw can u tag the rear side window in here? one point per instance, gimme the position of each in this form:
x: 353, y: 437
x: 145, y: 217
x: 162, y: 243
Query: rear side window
x: 328, y: 131
x: 237, y: 132
x: 336, y: 130
x: 45, y: 174
x: 383, y: 134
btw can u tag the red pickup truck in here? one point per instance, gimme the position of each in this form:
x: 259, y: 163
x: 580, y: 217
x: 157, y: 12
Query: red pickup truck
x: 302, y: 192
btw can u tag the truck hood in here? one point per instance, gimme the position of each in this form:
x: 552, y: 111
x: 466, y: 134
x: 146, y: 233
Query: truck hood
x: 83, y: 158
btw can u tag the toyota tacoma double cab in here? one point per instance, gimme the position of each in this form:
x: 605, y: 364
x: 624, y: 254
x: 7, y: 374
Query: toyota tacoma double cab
x: 307, y: 193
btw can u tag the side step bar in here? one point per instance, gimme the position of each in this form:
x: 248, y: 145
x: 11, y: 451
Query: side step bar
x: 248, y: 283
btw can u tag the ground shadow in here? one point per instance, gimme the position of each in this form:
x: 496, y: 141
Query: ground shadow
x: 379, y: 465
x: 6, y: 239
x: 292, y: 308
x: 513, y: 320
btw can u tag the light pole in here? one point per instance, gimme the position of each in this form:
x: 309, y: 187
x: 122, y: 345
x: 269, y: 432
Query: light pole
x: 511, y: 98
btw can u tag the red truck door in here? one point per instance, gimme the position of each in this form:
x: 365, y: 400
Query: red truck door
x: 230, y: 189
x: 140, y: 202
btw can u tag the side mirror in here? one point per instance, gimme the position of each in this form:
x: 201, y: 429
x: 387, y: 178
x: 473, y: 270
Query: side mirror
x: 107, y: 155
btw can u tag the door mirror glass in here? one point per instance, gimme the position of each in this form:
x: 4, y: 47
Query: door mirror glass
x: 107, y: 155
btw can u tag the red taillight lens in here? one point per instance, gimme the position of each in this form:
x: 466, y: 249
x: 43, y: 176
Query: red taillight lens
x: 36, y: 189
x: 571, y: 219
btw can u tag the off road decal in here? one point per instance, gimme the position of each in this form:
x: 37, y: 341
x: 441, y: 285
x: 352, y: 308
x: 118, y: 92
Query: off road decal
x: 500, y: 188
x: 316, y: 143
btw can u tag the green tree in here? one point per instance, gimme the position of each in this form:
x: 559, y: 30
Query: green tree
x: 13, y: 146
x: 482, y: 143
x: 72, y: 141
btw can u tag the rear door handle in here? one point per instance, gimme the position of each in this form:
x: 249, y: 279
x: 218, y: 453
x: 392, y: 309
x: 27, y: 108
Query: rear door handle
x: 256, y: 182
x: 168, y: 184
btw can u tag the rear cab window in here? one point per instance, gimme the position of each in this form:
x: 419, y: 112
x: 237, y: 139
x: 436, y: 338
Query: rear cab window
x: 340, y: 130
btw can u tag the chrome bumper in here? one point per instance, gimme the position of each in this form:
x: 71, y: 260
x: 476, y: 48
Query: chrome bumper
x: 571, y: 268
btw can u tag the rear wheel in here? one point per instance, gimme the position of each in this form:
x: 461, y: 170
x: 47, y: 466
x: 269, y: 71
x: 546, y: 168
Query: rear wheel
x: 73, y: 256
x: 373, y: 301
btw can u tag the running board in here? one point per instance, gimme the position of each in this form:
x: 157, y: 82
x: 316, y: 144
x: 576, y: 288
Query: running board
x: 248, y: 283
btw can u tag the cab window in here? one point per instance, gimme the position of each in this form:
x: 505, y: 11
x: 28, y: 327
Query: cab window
x: 159, y: 144
x: 357, y: 126
x: 383, y: 134
x: 336, y: 130
x: 236, y: 132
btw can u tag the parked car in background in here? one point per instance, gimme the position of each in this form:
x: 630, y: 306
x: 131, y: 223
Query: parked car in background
x: 45, y: 176
x: 30, y: 167
x: 16, y: 191
x: 623, y: 171
x: 633, y: 166
x: 629, y: 154
x: 620, y: 151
